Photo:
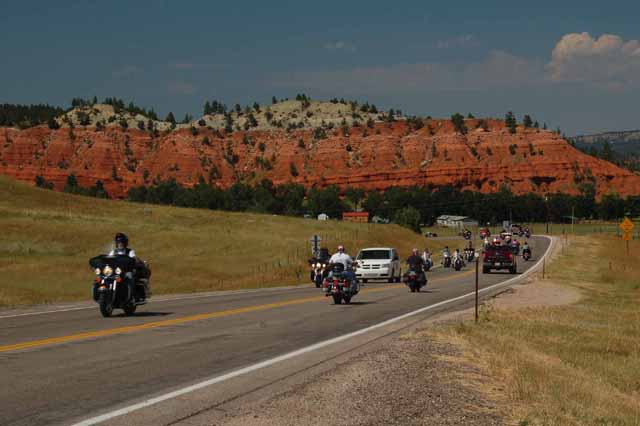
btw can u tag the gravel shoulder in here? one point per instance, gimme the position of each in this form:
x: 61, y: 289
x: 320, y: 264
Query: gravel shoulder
x: 419, y: 378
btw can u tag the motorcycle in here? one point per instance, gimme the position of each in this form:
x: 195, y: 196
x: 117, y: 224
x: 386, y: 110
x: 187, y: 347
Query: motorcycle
x: 428, y: 264
x: 458, y: 263
x: 110, y: 287
x: 338, y: 286
x: 526, y: 254
x: 515, y: 247
x: 466, y: 235
x: 318, y: 272
x: 470, y: 255
x: 446, y: 260
x: 413, y: 280
x: 527, y: 233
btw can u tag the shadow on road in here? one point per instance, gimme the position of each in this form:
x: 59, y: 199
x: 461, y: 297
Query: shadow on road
x: 362, y: 303
x: 144, y: 314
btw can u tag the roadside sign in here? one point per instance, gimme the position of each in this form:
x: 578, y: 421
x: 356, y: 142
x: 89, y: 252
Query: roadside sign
x: 315, y: 243
x: 626, y: 236
x: 626, y: 226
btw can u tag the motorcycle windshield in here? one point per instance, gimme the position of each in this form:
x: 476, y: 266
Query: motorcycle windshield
x: 123, y: 262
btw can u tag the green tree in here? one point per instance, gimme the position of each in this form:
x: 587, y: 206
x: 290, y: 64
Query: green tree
x: 170, y: 118
x: 607, y: 151
x: 510, y: 122
x: 293, y: 169
x: 527, y: 122
x: 71, y: 185
x: 458, y: 123
x: 409, y: 217
x: 325, y: 201
x: 355, y: 195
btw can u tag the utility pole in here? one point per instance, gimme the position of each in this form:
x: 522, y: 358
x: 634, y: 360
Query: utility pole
x: 477, y: 262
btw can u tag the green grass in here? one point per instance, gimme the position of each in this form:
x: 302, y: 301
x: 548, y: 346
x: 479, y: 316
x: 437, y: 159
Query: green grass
x: 48, y: 237
x: 577, y: 364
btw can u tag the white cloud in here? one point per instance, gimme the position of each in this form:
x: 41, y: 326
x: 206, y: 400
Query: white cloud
x: 498, y: 70
x: 607, y: 61
x: 464, y: 40
x: 181, y: 88
x: 343, y: 46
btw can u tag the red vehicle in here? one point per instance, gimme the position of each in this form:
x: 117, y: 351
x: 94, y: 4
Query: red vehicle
x: 499, y: 257
x: 484, y: 233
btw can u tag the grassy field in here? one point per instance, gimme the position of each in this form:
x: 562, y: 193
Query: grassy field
x: 576, y: 364
x: 48, y: 237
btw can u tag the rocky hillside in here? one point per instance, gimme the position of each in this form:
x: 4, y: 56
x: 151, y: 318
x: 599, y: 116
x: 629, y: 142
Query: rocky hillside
x: 312, y: 143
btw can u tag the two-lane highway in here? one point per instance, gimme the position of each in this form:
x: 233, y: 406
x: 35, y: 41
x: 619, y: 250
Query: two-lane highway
x: 62, y: 366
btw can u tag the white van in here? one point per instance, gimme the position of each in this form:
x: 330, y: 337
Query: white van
x: 378, y: 263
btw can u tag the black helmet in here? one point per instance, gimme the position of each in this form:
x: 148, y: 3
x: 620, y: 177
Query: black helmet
x: 121, y: 239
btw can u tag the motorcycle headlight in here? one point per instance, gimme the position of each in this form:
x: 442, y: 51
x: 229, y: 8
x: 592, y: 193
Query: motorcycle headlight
x: 107, y: 270
x: 318, y: 265
x: 97, y: 271
x: 118, y: 271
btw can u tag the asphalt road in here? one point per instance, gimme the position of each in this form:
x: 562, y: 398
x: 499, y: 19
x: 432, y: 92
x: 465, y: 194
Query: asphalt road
x: 59, y: 367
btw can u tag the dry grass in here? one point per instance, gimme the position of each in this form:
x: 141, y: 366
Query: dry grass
x: 569, y: 365
x: 47, y: 238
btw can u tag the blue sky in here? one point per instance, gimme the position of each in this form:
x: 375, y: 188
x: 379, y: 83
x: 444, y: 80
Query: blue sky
x: 426, y: 58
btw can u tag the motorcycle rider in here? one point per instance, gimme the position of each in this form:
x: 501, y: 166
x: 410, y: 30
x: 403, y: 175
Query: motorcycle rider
x: 445, y: 253
x: 526, y: 248
x: 417, y: 263
x: 457, y: 255
x: 121, y: 247
x: 469, y: 251
x: 426, y: 256
x: 341, y: 257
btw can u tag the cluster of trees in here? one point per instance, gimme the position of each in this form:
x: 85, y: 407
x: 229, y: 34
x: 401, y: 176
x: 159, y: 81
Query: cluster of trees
x: 215, y: 107
x: 407, y: 206
x: 629, y: 160
x: 72, y: 187
x: 398, y: 204
x: 24, y: 116
x: 119, y: 105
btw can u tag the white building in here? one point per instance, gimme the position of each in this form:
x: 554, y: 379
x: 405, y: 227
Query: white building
x: 458, y: 222
x: 323, y: 216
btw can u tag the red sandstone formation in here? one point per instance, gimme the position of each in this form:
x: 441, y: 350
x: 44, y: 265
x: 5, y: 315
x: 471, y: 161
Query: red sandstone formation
x: 389, y: 154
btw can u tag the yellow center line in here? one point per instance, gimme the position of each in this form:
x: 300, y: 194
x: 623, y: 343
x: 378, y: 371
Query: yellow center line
x: 191, y: 318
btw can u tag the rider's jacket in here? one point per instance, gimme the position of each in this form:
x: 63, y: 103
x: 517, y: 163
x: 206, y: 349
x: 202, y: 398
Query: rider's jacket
x: 416, y: 262
x: 126, y: 251
x: 343, y: 258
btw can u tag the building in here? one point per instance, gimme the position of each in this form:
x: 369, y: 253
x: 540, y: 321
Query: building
x: 362, y: 217
x: 458, y: 222
x: 323, y: 216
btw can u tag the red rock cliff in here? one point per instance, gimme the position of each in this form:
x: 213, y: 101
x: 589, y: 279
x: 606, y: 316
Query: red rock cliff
x: 389, y: 154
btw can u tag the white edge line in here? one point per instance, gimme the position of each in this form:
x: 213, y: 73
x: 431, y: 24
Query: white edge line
x: 302, y: 351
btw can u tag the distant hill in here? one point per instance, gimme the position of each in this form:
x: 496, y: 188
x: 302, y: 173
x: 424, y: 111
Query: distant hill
x: 622, y: 142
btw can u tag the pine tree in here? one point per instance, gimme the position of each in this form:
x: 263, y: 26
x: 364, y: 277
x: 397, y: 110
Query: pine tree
x: 510, y: 122
x: 527, y: 122
x: 170, y: 118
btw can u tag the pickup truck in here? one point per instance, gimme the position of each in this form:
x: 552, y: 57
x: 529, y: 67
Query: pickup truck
x: 499, y: 257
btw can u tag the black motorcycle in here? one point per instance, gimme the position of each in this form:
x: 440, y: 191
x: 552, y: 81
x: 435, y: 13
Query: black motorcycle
x: 318, y: 271
x: 526, y: 254
x: 458, y: 263
x: 414, y: 279
x: 470, y: 255
x: 111, y: 287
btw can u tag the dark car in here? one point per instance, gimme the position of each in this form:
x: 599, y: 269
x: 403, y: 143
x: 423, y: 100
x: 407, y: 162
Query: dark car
x: 499, y: 257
